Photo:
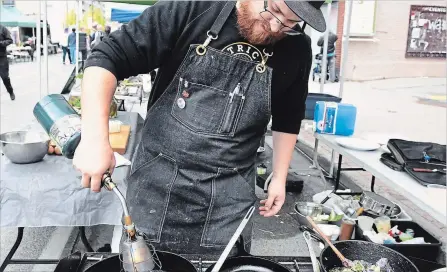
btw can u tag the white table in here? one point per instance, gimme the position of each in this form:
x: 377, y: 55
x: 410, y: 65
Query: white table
x: 431, y: 200
x: 48, y: 193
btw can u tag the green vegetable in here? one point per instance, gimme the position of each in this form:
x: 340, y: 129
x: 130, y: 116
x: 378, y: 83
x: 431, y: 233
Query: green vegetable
x: 321, y: 217
x: 357, y: 266
x: 335, y: 217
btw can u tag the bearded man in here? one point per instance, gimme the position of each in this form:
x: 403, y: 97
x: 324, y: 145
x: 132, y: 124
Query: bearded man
x: 224, y: 69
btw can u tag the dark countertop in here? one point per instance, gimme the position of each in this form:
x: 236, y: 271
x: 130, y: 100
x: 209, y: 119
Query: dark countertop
x: 280, y: 235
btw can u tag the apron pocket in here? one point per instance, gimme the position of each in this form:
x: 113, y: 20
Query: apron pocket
x: 148, y: 193
x: 199, y: 107
x: 233, y: 111
x: 231, y: 198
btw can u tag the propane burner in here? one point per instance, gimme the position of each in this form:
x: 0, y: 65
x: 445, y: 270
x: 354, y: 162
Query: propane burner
x: 137, y: 256
x: 136, y: 253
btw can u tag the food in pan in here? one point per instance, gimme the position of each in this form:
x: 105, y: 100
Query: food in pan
x: 362, y: 266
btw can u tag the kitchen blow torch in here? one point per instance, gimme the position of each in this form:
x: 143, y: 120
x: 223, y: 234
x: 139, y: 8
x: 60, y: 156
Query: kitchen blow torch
x: 63, y: 124
x: 136, y: 254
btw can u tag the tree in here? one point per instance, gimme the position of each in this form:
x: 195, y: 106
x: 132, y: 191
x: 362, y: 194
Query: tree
x: 93, y: 15
x: 70, y: 19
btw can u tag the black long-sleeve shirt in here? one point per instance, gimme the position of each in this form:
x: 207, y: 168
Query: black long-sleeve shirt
x: 162, y: 34
x: 5, y: 40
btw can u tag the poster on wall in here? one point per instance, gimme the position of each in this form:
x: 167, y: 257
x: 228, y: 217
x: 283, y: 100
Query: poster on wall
x: 427, y: 35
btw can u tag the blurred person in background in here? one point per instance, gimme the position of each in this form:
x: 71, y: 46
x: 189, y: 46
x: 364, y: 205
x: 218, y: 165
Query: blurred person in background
x: 98, y: 36
x: 83, y: 43
x: 72, y: 45
x: 332, y: 38
x: 5, y: 40
x: 64, y: 45
x: 92, y: 35
x: 107, y: 31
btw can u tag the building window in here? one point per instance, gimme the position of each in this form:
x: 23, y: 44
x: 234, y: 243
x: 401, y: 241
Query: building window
x: 363, y: 17
x: 8, y: 2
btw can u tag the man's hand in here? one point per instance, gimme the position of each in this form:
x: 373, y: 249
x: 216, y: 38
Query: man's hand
x: 275, y: 200
x: 93, y: 158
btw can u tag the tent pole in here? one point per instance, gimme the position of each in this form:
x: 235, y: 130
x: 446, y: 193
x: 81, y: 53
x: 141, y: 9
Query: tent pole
x: 344, y: 53
x: 325, y: 46
x: 39, y: 47
x: 78, y: 17
x: 45, y: 47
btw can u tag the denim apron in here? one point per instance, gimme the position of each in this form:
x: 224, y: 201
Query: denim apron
x: 192, y: 177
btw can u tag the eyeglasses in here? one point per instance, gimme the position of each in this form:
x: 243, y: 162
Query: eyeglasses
x: 288, y: 30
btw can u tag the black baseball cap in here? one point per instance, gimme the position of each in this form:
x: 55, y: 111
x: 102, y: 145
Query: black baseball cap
x: 309, y: 12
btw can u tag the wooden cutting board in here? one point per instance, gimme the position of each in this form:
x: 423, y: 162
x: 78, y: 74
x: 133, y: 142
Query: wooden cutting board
x: 119, y: 141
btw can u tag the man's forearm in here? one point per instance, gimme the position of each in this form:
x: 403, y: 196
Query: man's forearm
x: 98, y: 87
x: 283, y: 146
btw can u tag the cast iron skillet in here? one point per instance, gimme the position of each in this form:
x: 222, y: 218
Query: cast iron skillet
x: 361, y: 250
x: 250, y: 264
x: 170, y: 263
x: 367, y: 251
x: 245, y: 262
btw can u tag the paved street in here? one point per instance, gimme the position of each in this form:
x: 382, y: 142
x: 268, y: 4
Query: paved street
x: 414, y: 108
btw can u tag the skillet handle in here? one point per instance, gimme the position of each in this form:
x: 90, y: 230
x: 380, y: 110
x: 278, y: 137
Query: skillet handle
x: 240, y: 246
x: 336, y: 251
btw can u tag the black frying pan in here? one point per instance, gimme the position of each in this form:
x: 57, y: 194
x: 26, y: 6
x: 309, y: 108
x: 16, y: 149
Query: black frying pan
x: 244, y: 262
x: 361, y: 250
x: 170, y: 263
x: 366, y: 251
x: 250, y: 264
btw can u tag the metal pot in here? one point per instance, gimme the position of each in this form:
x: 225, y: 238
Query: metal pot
x: 24, y: 146
x: 304, y: 209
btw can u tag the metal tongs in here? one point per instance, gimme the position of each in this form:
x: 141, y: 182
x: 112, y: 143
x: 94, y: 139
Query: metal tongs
x: 313, y: 257
x: 233, y: 240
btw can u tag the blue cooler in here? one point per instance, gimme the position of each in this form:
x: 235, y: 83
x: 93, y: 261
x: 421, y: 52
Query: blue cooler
x: 334, y: 118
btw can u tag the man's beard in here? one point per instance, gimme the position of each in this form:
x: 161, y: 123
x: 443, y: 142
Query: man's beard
x: 247, y: 26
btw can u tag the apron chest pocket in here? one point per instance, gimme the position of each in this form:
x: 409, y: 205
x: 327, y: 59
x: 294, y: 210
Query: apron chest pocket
x: 207, y: 110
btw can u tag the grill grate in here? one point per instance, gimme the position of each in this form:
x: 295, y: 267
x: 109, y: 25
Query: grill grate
x: 303, y: 266
x: 201, y: 264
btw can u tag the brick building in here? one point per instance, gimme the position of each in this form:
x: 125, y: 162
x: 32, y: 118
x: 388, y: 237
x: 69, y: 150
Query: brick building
x: 390, y: 39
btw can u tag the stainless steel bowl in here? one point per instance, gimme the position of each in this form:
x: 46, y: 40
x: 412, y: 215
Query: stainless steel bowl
x: 311, y: 209
x: 24, y: 146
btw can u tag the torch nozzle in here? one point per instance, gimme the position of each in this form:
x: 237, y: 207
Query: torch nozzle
x: 137, y: 255
x: 111, y: 186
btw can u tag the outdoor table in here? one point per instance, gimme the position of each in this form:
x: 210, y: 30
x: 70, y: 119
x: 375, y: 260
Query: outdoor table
x: 18, y: 48
x: 49, y: 193
x: 431, y: 200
